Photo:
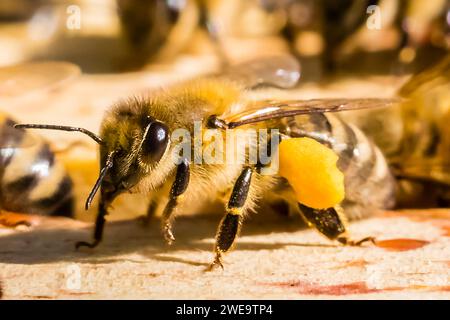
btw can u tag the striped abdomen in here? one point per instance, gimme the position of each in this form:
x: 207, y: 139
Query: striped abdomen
x: 369, y: 183
x: 31, y: 179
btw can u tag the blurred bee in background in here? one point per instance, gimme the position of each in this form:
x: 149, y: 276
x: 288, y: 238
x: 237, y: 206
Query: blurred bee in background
x: 336, y: 32
x: 424, y: 153
x: 326, y: 35
x: 414, y: 136
x: 100, y: 36
x: 157, y: 29
x: 32, y: 180
x: 136, y: 151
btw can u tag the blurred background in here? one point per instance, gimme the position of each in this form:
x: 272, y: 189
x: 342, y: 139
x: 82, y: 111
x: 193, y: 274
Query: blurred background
x: 328, y: 37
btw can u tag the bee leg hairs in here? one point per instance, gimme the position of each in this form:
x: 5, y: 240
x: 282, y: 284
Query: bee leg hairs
x: 179, y: 186
x: 230, y: 225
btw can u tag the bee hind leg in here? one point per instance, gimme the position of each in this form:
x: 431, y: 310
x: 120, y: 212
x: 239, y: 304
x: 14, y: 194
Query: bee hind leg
x: 230, y: 225
x: 332, y: 223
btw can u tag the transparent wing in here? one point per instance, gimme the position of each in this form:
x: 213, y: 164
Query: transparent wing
x: 281, y: 71
x: 268, y: 110
x: 29, y: 77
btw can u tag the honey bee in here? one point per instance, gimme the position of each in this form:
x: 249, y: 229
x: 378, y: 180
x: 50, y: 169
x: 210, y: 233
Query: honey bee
x: 140, y: 153
x: 32, y: 180
x: 414, y: 137
x: 423, y: 156
x: 157, y: 29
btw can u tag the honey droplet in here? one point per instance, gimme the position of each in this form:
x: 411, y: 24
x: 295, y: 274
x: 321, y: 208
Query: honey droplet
x: 401, y: 244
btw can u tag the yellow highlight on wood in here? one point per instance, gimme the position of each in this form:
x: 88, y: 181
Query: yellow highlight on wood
x: 310, y: 167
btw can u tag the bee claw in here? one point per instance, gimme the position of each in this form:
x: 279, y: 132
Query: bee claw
x: 170, y: 241
x: 86, y: 244
x: 353, y: 243
x: 168, y: 234
x: 217, y: 262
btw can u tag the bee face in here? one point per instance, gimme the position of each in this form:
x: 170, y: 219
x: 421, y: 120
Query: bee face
x: 136, y: 142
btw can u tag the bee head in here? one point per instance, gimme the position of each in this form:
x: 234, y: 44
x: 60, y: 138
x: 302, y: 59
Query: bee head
x: 132, y: 148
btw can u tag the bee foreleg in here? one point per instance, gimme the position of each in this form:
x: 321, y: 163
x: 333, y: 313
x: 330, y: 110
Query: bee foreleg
x: 330, y: 222
x: 230, y: 225
x: 179, y: 186
x: 99, y: 226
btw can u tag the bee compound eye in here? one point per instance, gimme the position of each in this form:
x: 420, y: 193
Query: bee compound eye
x: 155, y: 141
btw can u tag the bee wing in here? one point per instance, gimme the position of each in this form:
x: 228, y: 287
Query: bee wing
x: 282, y: 71
x: 268, y: 110
x: 28, y: 77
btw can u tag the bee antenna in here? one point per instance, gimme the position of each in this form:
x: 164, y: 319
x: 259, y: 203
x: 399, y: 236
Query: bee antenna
x: 108, y: 165
x: 95, y: 137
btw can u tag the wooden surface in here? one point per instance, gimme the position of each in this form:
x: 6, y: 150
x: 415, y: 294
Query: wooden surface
x: 275, y: 258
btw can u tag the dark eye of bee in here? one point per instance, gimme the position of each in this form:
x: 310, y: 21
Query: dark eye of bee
x: 155, y: 142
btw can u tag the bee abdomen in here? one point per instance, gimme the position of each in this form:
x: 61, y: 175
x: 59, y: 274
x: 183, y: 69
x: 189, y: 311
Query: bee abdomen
x: 369, y: 184
x: 31, y: 179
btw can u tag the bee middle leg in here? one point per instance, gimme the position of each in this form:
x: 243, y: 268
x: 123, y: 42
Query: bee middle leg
x: 230, y: 225
x: 331, y: 223
x: 151, y: 212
